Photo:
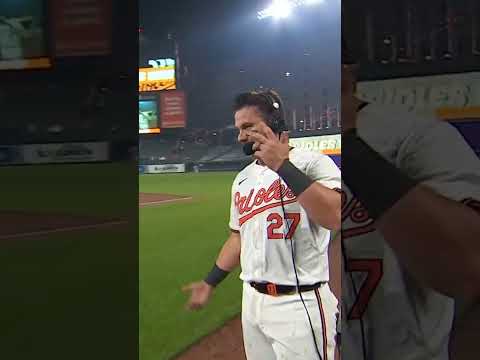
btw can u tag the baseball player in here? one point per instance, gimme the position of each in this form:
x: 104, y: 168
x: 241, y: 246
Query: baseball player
x: 283, y: 206
x: 410, y: 231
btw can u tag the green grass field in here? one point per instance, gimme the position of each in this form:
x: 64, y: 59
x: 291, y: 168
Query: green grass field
x: 178, y: 244
x: 69, y: 188
x: 54, y: 285
x: 57, y: 289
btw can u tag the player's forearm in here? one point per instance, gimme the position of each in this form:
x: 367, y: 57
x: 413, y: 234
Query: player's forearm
x: 229, y: 257
x: 438, y: 241
x: 323, y: 206
x: 228, y: 260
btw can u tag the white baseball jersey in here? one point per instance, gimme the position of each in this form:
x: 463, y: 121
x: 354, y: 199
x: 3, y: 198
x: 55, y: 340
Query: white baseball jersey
x: 401, y: 319
x: 256, y: 212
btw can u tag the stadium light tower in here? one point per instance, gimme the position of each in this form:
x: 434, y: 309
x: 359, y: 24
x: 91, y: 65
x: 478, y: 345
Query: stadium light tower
x: 281, y: 9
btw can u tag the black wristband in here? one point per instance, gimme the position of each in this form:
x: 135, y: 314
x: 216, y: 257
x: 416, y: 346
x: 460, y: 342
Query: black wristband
x: 216, y: 276
x: 376, y: 182
x: 296, y: 180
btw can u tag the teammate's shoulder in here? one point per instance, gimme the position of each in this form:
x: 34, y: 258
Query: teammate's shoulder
x: 402, y: 119
x: 393, y: 123
x: 395, y: 114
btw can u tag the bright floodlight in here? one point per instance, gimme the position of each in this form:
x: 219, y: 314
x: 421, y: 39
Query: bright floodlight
x: 283, y: 8
x: 278, y: 9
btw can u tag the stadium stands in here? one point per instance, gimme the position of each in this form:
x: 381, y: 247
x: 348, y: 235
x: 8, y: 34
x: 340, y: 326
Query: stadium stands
x: 184, y: 149
x: 235, y: 153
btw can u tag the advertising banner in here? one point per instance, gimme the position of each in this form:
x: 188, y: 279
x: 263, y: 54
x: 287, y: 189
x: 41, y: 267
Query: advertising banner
x: 81, y: 28
x: 449, y: 97
x: 173, y: 109
x: 327, y: 144
x: 166, y: 168
x: 66, y: 153
x: 156, y: 79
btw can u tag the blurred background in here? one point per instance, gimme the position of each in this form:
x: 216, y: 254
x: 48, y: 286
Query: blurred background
x: 424, y: 55
x: 69, y: 192
x: 65, y: 73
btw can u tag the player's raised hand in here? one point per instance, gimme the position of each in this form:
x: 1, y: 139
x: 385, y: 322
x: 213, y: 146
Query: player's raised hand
x: 269, y: 148
x: 200, y: 293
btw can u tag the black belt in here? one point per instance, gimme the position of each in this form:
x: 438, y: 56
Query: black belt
x: 276, y: 290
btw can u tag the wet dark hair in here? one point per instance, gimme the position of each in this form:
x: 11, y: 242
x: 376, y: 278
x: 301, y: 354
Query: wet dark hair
x: 268, y: 104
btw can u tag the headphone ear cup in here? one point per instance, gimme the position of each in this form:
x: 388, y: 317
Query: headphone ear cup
x: 279, y: 121
x: 275, y: 123
x: 277, y: 118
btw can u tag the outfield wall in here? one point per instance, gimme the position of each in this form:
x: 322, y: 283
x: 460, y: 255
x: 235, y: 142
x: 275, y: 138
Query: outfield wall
x: 66, y: 153
x: 161, y: 169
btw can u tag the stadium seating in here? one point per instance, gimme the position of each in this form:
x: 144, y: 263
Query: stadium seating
x: 214, y: 153
x: 234, y: 154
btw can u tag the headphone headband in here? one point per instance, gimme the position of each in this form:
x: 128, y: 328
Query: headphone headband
x: 277, y: 118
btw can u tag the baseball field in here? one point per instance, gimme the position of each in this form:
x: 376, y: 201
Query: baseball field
x: 179, y: 241
x: 63, y: 261
x: 58, y: 262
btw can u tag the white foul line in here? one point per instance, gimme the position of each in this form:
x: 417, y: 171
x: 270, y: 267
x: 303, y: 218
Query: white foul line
x: 164, y: 201
x: 60, y: 230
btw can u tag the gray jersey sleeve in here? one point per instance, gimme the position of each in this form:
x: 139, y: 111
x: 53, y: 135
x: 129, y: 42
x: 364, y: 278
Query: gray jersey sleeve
x: 436, y: 154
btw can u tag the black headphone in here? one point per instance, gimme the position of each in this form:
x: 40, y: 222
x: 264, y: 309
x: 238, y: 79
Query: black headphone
x: 276, y: 121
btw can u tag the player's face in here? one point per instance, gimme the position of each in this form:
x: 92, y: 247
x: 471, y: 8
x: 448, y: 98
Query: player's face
x: 247, y: 119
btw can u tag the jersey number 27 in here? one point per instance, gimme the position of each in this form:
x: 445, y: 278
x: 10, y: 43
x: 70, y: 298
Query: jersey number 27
x: 276, y: 222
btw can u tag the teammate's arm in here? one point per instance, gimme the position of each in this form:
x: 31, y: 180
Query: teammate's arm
x: 227, y: 260
x: 436, y: 238
x: 335, y: 264
x: 443, y: 245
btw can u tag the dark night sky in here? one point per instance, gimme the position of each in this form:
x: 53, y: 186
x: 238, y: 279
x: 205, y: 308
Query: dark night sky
x: 228, y: 50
